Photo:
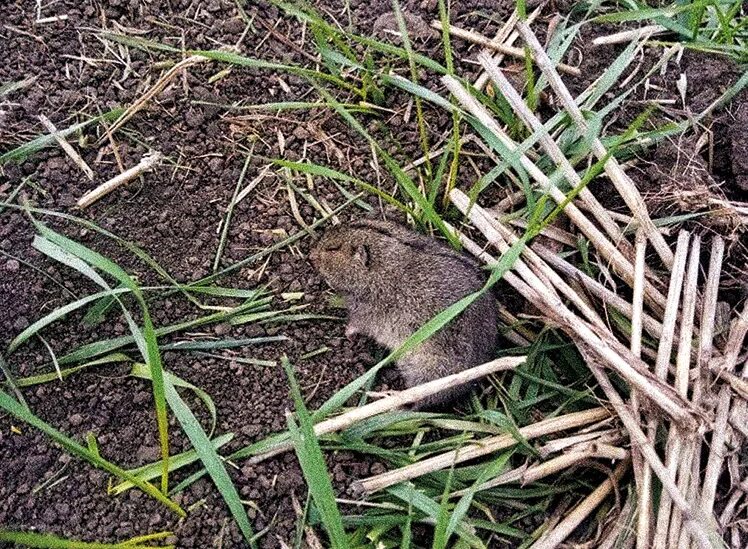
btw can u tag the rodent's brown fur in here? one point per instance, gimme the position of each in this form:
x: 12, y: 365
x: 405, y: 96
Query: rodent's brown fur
x: 394, y: 280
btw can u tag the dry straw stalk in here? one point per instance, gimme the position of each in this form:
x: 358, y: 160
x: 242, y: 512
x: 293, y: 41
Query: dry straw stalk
x: 399, y: 400
x: 484, y: 447
x: 148, y: 162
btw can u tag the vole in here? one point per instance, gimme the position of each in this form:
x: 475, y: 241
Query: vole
x: 394, y: 280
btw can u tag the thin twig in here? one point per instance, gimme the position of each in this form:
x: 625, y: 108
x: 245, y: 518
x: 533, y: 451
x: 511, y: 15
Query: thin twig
x: 146, y: 163
x: 679, y: 443
x: 642, y: 471
x: 154, y: 90
x: 662, y: 363
x: 628, y: 35
x: 67, y: 147
x: 508, y: 36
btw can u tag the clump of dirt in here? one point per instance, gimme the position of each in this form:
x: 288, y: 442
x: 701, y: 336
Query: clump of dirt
x: 684, y: 183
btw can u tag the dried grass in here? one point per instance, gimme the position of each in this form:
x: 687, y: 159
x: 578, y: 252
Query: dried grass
x: 698, y: 401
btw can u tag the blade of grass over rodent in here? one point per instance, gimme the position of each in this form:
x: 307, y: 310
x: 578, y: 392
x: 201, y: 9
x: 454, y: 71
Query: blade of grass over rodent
x: 11, y: 406
x: 210, y: 459
x: 21, y: 153
x: 403, y: 180
x: 176, y: 462
x: 52, y: 376
x: 142, y: 371
x: 50, y: 541
x: 313, y: 465
x: 146, y: 340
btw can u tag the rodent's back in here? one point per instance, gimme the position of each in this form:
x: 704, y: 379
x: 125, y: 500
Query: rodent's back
x: 427, y: 271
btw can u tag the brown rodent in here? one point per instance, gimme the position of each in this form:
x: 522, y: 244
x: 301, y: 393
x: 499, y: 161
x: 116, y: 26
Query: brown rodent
x: 394, y: 280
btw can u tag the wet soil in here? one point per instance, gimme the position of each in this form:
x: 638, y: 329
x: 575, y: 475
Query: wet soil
x: 175, y: 214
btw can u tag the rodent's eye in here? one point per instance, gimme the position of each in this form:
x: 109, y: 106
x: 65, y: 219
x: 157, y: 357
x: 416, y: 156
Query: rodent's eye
x: 332, y: 248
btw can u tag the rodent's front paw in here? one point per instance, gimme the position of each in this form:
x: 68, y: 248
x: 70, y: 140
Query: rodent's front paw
x: 351, y: 331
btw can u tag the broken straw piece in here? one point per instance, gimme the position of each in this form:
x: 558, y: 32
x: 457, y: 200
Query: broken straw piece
x: 147, y: 163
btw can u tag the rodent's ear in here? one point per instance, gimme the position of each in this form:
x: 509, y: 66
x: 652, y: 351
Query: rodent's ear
x: 361, y: 254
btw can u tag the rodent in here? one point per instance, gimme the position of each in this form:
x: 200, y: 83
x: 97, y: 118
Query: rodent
x: 394, y: 280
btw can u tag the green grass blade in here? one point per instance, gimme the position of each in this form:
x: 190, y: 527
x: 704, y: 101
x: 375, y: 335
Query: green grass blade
x: 463, y: 505
x: 138, y: 42
x: 12, y: 382
x: 10, y: 87
x: 323, y: 171
x: 91, y: 350
x: 58, y: 314
x: 403, y: 180
x: 308, y: 16
x: 227, y: 344
x: 145, y: 340
x: 251, y: 63
x: 210, y: 459
x: 430, y: 508
x: 20, y: 154
x: 313, y: 465
x: 50, y: 541
x: 176, y: 462
x: 230, y: 213
x: 52, y: 376
x: 11, y: 406
x: 142, y: 371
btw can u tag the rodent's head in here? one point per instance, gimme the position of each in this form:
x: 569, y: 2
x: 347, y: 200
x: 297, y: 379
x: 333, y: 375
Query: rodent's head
x: 343, y: 256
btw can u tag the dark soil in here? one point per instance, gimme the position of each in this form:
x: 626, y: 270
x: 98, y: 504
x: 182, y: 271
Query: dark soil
x: 174, y: 214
